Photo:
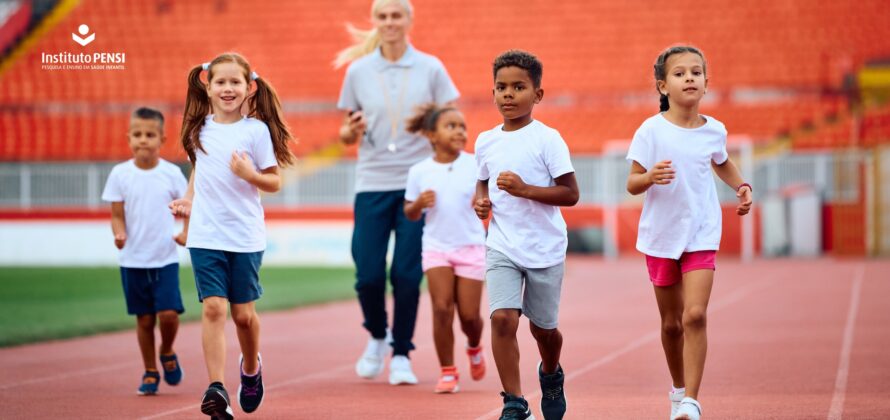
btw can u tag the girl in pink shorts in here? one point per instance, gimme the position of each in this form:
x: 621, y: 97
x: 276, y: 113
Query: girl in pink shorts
x: 671, y: 156
x: 442, y: 187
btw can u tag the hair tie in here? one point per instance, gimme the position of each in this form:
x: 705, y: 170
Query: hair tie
x: 205, y: 66
x: 254, y: 76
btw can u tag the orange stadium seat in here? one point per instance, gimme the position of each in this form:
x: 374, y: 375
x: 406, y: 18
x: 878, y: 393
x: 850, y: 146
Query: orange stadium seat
x: 597, y: 59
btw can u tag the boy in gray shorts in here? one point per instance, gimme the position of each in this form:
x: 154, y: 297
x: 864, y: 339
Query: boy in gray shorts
x: 526, y: 244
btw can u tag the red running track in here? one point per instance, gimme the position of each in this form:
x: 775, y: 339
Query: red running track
x: 788, y: 339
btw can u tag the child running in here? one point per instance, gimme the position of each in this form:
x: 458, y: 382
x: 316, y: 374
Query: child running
x: 139, y: 190
x: 671, y: 156
x: 526, y: 245
x: 453, y: 257
x: 233, y: 157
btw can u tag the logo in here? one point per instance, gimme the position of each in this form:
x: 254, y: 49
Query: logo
x: 83, y: 29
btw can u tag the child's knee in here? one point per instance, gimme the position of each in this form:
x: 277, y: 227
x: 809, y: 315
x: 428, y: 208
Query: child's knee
x: 504, y: 321
x: 243, y: 319
x: 542, y: 334
x: 146, y: 321
x: 672, y: 327
x: 695, y: 317
x: 443, y: 310
x: 167, y: 317
x: 214, y: 309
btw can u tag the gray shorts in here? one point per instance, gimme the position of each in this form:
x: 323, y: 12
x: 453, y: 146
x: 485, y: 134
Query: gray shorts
x: 540, y: 300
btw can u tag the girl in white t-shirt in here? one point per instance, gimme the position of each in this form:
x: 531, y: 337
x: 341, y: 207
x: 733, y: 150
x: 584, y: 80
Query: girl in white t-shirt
x: 233, y: 157
x: 671, y: 156
x: 453, y: 257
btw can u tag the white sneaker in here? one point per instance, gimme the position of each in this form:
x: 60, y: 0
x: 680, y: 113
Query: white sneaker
x: 370, y: 364
x: 400, y: 371
x: 675, y: 398
x: 689, y: 409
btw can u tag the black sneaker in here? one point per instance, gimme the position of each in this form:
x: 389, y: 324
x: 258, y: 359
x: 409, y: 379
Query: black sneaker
x: 216, y: 403
x: 553, y: 396
x: 515, y: 408
x: 250, y: 392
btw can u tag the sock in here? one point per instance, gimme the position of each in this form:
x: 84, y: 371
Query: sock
x: 678, y: 390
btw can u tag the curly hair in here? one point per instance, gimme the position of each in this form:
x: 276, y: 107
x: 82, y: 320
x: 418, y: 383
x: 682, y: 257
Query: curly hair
x: 524, y: 60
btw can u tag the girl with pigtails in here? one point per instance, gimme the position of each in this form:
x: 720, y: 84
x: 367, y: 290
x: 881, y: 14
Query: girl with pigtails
x: 233, y: 156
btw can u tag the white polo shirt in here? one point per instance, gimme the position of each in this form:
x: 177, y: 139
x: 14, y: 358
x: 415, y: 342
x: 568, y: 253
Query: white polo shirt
x: 685, y: 215
x: 530, y: 233
x: 150, y: 226
x: 387, y: 93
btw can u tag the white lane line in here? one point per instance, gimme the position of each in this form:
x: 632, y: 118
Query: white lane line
x: 836, y: 410
x: 733, y: 297
x: 67, y: 375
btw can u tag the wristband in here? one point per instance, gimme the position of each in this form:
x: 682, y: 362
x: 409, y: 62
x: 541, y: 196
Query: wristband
x: 745, y: 184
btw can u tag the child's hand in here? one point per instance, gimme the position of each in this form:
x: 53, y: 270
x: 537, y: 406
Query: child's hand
x: 426, y: 199
x: 482, y: 206
x: 511, y: 183
x: 181, y: 238
x: 661, y: 173
x: 242, y: 166
x: 120, y: 240
x: 745, y: 200
x: 181, y: 207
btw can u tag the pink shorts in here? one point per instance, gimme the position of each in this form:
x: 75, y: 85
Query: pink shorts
x: 467, y: 261
x: 666, y: 272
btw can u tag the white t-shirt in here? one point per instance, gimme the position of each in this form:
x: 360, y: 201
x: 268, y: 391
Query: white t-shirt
x: 685, y: 215
x: 226, y: 211
x: 451, y: 223
x: 530, y: 233
x: 150, y: 226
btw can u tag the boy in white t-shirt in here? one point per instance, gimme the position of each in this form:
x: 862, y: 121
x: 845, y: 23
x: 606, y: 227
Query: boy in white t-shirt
x: 442, y: 187
x: 139, y: 190
x: 527, y: 241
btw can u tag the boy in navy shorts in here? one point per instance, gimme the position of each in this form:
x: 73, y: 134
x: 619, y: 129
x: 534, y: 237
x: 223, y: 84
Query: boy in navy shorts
x: 524, y: 176
x: 139, y: 191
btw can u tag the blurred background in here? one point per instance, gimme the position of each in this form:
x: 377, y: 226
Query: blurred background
x: 802, y: 86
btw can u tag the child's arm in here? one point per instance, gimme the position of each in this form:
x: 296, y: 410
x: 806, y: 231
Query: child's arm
x: 564, y: 193
x: 267, y: 179
x: 482, y: 204
x: 414, y: 209
x: 640, y: 180
x: 730, y: 174
x: 118, y: 224
x: 183, y: 206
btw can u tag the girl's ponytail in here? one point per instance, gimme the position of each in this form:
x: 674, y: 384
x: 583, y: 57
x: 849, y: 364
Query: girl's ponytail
x: 663, y: 103
x: 197, y: 107
x: 425, y: 118
x: 265, y: 106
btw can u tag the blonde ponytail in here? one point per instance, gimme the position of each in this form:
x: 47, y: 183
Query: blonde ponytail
x: 366, y: 41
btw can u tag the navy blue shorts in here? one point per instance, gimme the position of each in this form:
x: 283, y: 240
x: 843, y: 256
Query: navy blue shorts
x: 152, y: 290
x: 232, y: 275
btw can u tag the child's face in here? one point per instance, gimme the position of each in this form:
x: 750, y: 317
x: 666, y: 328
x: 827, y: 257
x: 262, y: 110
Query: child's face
x: 685, y: 82
x: 514, y: 92
x: 451, y: 132
x: 145, y: 137
x: 392, y: 21
x: 228, y: 88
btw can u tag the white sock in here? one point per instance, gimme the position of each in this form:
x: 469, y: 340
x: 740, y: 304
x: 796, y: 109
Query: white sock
x: 678, y: 390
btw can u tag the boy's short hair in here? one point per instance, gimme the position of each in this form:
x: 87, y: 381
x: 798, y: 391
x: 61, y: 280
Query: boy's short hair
x: 146, y: 113
x: 524, y: 60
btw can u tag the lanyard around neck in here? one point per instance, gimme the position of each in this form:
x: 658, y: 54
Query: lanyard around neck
x: 394, y: 113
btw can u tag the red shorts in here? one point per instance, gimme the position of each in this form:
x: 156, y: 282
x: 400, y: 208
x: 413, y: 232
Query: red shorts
x: 667, y: 272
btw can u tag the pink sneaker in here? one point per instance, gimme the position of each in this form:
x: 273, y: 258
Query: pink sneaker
x: 477, y: 362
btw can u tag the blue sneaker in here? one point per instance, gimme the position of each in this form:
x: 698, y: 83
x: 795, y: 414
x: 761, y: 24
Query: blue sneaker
x: 149, y: 383
x: 250, y: 392
x: 172, y: 370
x: 216, y: 403
x: 553, y: 395
x: 515, y: 408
